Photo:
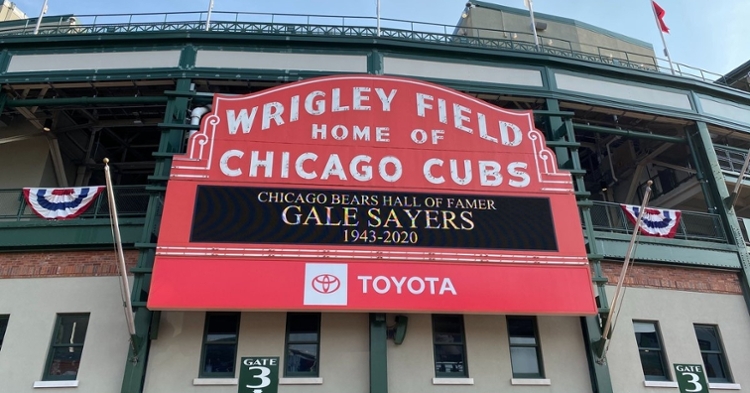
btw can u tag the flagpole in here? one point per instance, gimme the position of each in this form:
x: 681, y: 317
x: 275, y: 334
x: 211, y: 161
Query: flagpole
x: 608, y: 326
x: 530, y: 6
x: 125, y: 285
x: 208, y: 15
x: 663, y: 40
x: 377, y: 12
x: 41, y: 15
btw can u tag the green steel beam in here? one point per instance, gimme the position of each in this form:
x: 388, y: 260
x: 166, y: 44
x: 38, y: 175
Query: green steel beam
x: 539, y: 112
x: 86, y: 101
x: 375, y: 63
x: 567, y: 152
x: 601, y: 382
x: 72, y: 233
x: 378, y: 354
x: 720, y: 193
x: 170, y: 142
x: 700, y: 170
x: 628, y: 133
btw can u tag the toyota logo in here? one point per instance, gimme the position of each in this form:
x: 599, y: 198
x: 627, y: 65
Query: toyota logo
x: 326, y: 283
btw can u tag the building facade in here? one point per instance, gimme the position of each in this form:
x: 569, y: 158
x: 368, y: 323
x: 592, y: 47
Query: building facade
x: 212, y: 275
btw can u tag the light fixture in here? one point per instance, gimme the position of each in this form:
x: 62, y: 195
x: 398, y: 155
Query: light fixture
x: 47, y: 125
x: 603, y: 185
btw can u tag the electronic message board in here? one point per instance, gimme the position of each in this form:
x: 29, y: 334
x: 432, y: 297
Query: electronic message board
x: 369, y: 193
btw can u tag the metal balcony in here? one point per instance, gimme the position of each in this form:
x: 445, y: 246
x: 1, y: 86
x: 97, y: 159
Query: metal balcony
x: 251, y: 23
x: 131, y: 201
x: 609, y: 217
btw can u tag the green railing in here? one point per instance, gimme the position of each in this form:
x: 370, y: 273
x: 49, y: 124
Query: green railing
x: 351, y: 26
x: 131, y: 201
x: 609, y: 217
x: 731, y: 160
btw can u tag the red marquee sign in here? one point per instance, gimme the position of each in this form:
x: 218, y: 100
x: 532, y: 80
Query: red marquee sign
x: 369, y: 193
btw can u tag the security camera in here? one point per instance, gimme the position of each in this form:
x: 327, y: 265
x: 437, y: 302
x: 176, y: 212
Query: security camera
x: 470, y: 5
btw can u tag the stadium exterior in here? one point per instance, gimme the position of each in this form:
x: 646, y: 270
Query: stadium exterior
x: 140, y: 90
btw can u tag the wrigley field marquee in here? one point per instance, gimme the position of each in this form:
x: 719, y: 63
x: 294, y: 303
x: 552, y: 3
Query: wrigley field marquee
x: 369, y: 193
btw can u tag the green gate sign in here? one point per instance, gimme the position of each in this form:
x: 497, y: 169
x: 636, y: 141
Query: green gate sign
x: 259, y: 375
x: 690, y: 378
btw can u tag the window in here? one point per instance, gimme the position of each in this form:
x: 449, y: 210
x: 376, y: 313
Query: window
x: 653, y: 360
x: 712, y: 351
x: 66, y: 347
x: 450, y: 346
x: 220, y: 344
x: 525, y: 352
x: 3, y: 327
x: 302, y: 345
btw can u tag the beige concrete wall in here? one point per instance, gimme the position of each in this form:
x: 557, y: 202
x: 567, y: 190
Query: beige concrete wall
x: 33, y: 305
x: 676, y: 312
x: 557, y: 35
x: 9, y: 11
x: 344, y: 352
x: 411, y: 364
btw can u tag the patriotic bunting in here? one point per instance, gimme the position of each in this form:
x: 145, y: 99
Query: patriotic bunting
x: 655, y: 222
x: 60, y: 203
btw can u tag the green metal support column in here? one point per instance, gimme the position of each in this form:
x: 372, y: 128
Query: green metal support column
x: 715, y: 176
x: 378, y: 354
x: 700, y: 164
x: 561, y: 136
x: 147, y: 321
x: 375, y: 63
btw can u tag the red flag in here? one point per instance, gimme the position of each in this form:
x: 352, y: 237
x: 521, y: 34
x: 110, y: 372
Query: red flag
x: 660, y: 16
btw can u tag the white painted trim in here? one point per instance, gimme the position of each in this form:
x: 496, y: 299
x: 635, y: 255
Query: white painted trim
x: 55, y: 384
x: 724, y: 386
x: 452, y: 381
x: 462, y: 71
x: 215, y: 381
x: 660, y: 384
x: 300, y: 381
x: 42, y: 62
x: 530, y: 381
x: 279, y: 60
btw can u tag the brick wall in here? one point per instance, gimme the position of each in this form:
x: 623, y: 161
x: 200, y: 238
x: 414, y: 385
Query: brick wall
x: 673, y: 277
x: 62, y: 264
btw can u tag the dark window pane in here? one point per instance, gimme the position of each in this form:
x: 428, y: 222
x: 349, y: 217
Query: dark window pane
x: 708, y: 338
x: 64, y: 363
x: 72, y: 329
x: 448, y: 324
x: 220, y: 344
x: 222, y: 324
x: 303, y: 327
x: 649, y: 347
x: 302, y: 358
x: 524, y: 360
x: 449, y: 359
x: 712, y: 352
x: 219, y: 358
x: 647, y: 340
x: 444, y: 338
x: 652, y: 363
x: 3, y: 327
x: 715, y: 368
x: 520, y: 328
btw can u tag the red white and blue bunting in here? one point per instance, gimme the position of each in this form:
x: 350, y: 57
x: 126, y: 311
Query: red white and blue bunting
x: 655, y: 222
x: 60, y: 203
